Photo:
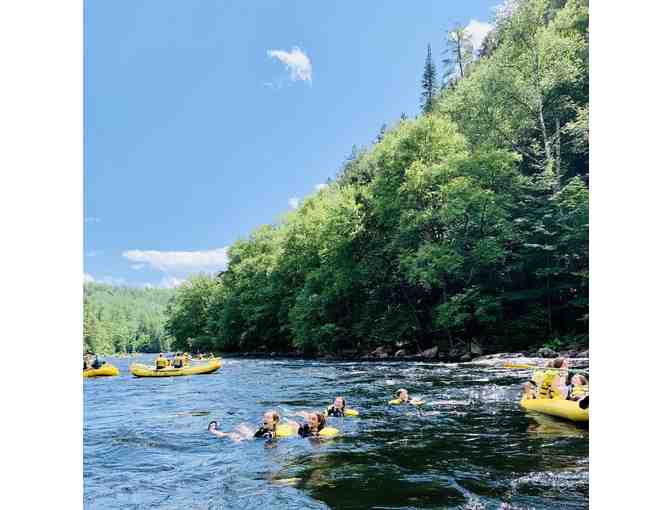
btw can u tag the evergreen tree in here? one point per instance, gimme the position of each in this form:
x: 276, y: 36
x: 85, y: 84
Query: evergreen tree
x: 428, y: 83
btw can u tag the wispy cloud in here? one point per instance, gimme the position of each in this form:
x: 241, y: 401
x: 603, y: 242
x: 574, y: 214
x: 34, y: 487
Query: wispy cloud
x: 91, y: 219
x: 181, y: 262
x: 320, y: 187
x: 88, y: 278
x: 477, y: 30
x: 296, y: 61
x: 93, y: 253
x: 137, y: 266
x: 294, y: 202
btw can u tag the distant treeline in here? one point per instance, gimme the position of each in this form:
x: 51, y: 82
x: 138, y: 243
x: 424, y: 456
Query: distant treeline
x: 467, y: 222
x: 123, y: 319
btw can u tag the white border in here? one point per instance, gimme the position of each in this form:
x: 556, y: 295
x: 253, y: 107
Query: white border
x: 41, y: 209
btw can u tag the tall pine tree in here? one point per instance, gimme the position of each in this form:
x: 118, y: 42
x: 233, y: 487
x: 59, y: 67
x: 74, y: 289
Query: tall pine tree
x: 428, y: 83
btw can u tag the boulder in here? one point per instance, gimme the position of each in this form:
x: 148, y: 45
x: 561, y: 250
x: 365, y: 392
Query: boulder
x: 466, y: 357
x: 430, y: 353
x: 400, y: 353
x: 545, y: 352
x: 583, y: 354
x: 379, y: 352
x: 455, y: 353
x: 475, y: 348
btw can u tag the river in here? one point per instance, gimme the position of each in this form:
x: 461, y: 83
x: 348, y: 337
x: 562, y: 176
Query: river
x: 470, y: 446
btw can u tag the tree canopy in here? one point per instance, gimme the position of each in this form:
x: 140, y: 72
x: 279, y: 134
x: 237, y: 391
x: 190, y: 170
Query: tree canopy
x: 468, y: 222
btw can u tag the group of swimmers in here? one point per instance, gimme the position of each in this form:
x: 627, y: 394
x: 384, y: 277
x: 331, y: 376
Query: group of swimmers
x: 315, y: 425
x: 553, y: 381
x: 556, y: 381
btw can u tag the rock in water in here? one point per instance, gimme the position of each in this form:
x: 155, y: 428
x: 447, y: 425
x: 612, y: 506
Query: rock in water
x: 466, y: 357
x: 545, y: 352
x: 400, y: 353
x: 430, y: 353
x: 475, y: 348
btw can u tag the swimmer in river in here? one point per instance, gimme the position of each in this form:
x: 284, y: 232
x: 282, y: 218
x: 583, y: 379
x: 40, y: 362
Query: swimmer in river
x: 316, y: 422
x: 402, y: 397
x: 337, y: 409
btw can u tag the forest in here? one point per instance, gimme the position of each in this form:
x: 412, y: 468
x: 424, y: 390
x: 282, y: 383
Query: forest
x: 466, y: 223
x: 124, y: 319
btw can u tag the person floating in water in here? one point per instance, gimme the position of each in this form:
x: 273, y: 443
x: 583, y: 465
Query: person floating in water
x: 316, y: 424
x: 271, y: 428
x: 338, y: 409
x: 402, y: 397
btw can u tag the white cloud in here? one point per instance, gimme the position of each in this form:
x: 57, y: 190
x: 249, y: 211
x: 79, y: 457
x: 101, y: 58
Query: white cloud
x: 91, y: 219
x: 296, y: 61
x: 181, y: 262
x: 137, y: 266
x: 88, y: 278
x: 477, y: 30
x: 294, y: 202
x: 170, y: 282
x: 320, y: 187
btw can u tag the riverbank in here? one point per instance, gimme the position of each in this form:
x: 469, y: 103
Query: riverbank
x: 578, y: 359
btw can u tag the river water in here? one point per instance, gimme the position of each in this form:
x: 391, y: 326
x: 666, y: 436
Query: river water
x: 470, y: 446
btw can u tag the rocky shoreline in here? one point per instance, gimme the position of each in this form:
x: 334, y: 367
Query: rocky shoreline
x: 475, y: 355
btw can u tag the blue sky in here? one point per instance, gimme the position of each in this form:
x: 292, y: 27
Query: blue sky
x: 204, y: 120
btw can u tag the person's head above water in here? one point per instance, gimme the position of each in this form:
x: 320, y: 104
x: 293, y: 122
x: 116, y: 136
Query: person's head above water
x: 316, y: 421
x: 271, y: 419
x: 579, y: 380
x: 401, y: 394
x: 339, y: 403
x: 557, y: 363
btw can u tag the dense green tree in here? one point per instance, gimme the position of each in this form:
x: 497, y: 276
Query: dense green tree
x: 124, y: 319
x: 469, y: 223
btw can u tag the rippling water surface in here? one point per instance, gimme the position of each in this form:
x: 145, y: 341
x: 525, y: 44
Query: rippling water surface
x: 470, y: 446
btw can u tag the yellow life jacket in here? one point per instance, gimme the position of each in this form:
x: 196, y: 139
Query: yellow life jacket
x: 162, y: 362
x: 547, y: 388
x: 578, y: 391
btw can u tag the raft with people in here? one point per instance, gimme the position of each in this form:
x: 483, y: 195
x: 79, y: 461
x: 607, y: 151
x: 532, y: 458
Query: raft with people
x: 175, y: 368
x: 104, y: 371
x: 555, y: 392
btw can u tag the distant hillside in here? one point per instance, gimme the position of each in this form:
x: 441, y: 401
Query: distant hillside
x: 124, y: 319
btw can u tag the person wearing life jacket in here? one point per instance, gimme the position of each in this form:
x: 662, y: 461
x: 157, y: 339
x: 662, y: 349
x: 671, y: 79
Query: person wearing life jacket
x: 548, y: 382
x: 316, y: 422
x: 553, y: 381
x: 161, y: 362
x: 578, y: 387
x: 402, y: 397
x: 178, y: 362
x: 96, y: 363
x: 337, y: 409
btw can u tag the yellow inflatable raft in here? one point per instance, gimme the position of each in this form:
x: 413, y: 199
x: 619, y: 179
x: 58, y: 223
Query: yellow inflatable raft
x: 105, y: 370
x: 561, y: 408
x: 140, y: 370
